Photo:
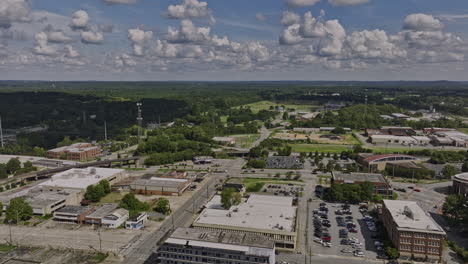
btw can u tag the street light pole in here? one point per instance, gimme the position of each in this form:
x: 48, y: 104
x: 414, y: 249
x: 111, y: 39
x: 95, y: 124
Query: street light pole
x: 100, y: 240
x: 11, y: 238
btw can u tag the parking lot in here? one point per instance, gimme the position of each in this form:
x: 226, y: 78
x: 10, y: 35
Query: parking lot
x: 360, y: 239
x: 282, y: 189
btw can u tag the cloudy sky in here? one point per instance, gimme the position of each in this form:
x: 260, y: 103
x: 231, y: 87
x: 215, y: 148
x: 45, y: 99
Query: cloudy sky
x: 233, y: 40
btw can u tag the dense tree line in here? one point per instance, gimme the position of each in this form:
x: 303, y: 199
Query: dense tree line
x: 351, y: 193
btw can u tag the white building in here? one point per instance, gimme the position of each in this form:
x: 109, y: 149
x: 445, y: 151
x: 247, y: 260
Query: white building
x: 80, y: 179
x: 115, y: 219
x: 273, y: 217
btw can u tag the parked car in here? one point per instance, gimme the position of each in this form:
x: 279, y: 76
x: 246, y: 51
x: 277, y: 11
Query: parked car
x: 358, y: 253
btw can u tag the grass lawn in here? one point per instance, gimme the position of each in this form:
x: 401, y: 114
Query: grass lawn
x: 6, y: 248
x: 319, y: 147
x: 256, y: 184
x: 265, y: 105
x: 113, y: 197
x: 99, y: 257
x: 392, y: 150
x: 244, y: 141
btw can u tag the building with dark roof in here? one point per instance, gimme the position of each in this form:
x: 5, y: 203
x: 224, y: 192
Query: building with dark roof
x: 378, y: 162
x: 381, y: 185
x: 188, y: 245
x: 160, y: 186
x: 74, y: 214
x: 284, y: 162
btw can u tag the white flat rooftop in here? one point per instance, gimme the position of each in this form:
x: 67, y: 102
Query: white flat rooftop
x: 272, y: 213
x: 409, y: 215
x: 80, y: 178
x: 167, y: 179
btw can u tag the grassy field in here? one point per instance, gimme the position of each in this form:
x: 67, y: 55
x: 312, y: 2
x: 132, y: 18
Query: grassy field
x: 320, y: 148
x: 265, y: 105
x: 6, y: 248
x: 113, y: 197
x: 244, y: 141
x: 256, y: 184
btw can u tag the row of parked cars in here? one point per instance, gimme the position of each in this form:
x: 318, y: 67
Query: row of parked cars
x: 321, y: 225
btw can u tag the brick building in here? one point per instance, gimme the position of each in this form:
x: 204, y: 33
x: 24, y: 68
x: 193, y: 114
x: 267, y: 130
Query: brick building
x: 77, y: 151
x: 381, y: 185
x: 413, y: 233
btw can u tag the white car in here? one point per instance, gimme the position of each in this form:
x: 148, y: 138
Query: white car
x: 318, y: 240
x: 359, y: 254
x: 327, y: 244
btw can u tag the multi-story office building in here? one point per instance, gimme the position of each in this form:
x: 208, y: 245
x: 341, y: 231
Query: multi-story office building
x: 188, y: 246
x: 77, y: 151
x: 414, y: 233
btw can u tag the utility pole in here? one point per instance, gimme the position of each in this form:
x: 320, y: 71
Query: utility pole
x: 105, y: 130
x: 11, y: 238
x: 100, y: 240
x: 140, y: 121
x: 1, y: 133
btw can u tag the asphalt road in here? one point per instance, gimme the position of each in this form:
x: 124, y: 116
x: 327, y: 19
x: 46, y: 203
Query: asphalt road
x: 143, y: 250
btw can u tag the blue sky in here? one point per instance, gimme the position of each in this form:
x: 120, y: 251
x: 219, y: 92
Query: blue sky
x: 233, y: 40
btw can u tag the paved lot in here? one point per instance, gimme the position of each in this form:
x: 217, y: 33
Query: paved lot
x: 364, y: 235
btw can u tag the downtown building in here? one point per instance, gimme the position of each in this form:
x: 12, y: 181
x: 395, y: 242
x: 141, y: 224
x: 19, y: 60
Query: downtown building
x: 189, y: 246
x: 412, y: 231
x: 460, y: 184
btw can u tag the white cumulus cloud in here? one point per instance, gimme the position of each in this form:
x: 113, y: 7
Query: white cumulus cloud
x: 301, y: 3
x: 188, y: 32
x: 139, y: 38
x: 290, y: 18
x: 80, y: 20
x: 91, y: 37
x: 14, y: 11
x: 347, y: 2
x: 422, y: 22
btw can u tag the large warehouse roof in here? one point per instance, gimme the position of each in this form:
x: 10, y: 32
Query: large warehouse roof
x: 258, y: 212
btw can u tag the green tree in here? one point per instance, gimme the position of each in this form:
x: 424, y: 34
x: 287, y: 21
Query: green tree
x: 338, y: 130
x: 13, y: 165
x: 163, y: 206
x: 18, y: 210
x: 132, y: 204
x: 465, y: 166
x: 40, y: 152
x: 391, y: 252
x: 367, y: 191
x: 229, y: 198
x: 3, y: 171
x: 94, y: 193
x: 28, y: 165
x: 448, y: 171
x: 65, y: 142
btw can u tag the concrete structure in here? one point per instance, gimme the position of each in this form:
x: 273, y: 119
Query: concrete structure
x: 399, y: 116
x: 52, y: 163
x: 460, y: 184
x: 44, y: 202
x: 80, y: 179
x: 77, y: 151
x: 160, y: 186
x: 330, y: 129
x: 203, y: 160
x: 391, y: 131
x: 378, y: 162
x: 174, y: 175
x: 136, y: 222
x: 389, y: 139
x: 187, y: 246
x: 72, y: 214
x: 272, y: 217
x: 381, y: 185
x: 307, y: 130
x: 115, y: 219
x: 413, y: 232
x: 97, y: 216
x: 225, y: 140
x: 284, y: 162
